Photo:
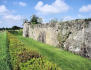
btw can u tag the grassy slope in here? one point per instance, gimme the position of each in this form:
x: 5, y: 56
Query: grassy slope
x: 65, y: 60
x: 3, y: 52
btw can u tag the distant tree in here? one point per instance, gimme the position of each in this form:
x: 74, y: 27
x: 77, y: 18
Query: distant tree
x: 35, y: 20
x: 25, y: 20
x: 16, y: 28
x: 7, y: 28
x: 40, y: 20
x: 88, y: 19
x: 3, y: 28
x: 53, y: 20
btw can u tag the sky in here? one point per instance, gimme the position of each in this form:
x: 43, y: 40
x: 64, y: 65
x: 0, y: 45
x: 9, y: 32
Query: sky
x: 13, y: 12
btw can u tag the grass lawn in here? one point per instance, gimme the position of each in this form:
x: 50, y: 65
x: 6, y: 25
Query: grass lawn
x: 65, y: 60
x: 3, y: 52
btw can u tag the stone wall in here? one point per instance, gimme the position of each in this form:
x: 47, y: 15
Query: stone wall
x: 74, y: 36
x: 43, y: 33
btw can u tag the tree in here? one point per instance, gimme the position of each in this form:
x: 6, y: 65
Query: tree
x: 25, y: 20
x: 53, y: 20
x: 40, y: 20
x: 34, y: 19
x: 16, y: 28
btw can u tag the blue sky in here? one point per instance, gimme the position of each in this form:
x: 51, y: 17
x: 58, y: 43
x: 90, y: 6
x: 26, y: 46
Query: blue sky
x: 13, y: 12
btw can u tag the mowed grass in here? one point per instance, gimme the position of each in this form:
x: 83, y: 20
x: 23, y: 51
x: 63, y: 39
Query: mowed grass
x: 65, y: 60
x: 3, y: 52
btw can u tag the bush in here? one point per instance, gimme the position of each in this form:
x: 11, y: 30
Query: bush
x: 27, y: 55
x: 23, y: 58
x: 38, y: 64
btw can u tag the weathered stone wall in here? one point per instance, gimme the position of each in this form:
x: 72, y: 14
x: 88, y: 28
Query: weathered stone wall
x: 26, y: 30
x: 43, y: 33
x: 74, y: 36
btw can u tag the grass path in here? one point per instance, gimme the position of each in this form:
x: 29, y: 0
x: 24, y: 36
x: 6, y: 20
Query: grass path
x: 65, y: 60
x: 3, y: 52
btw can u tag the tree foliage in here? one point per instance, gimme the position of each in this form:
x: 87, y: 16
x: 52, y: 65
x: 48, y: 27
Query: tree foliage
x: 35, y: 20
x: 53, y: 20
x: 16, y: 28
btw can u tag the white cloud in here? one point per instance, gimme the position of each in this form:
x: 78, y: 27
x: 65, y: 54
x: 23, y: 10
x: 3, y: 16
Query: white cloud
x: 22, y: 4
x: 81, y: 16
x: 85, y: 8
x: 8, y: 19
x: 68, y: 18
x: 12, y: 20
x: 11, y: 17
x: 3, y: 9
x: 58, y: 6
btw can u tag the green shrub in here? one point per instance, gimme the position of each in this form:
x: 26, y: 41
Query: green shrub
x: 38, y: 64
x: 27, y: 55
x: 23, y: 58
